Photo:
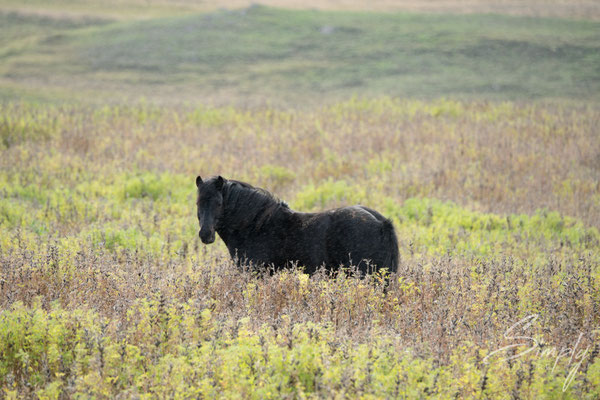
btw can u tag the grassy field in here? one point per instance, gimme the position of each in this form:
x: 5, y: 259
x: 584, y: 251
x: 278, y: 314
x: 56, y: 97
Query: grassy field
x: 262, y: 55
x: 106, y: 290
x: 478, y: 135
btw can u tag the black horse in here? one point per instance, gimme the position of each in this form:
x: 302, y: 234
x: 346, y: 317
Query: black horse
x: 262, y: 230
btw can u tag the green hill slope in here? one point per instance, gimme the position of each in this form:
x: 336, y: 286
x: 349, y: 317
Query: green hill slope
x: 271, y: 55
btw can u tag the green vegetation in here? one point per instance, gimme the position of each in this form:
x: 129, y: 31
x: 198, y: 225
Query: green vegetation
x: 181, y: 351
x: 106, y: 291
x: 264, y: 55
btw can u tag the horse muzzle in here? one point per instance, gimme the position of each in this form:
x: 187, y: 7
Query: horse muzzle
x: 207, y: 237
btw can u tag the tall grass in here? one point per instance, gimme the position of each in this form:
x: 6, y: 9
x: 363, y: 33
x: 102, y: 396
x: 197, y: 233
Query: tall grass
x: 106, y: 291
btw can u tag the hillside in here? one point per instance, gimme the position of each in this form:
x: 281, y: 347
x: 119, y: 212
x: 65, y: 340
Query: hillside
x: 264, y: 55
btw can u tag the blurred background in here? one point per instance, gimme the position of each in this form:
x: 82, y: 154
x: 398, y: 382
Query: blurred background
x: 297, y: 53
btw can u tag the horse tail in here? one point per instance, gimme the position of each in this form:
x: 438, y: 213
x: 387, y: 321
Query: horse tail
x: 391, y: 243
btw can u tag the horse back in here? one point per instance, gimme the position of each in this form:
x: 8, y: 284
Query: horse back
x: 362, y: 237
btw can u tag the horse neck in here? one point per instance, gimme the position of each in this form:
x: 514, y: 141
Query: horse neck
x: 241, y: 216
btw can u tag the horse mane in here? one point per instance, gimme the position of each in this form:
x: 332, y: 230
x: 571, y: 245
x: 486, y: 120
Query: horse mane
x: 248, y: 205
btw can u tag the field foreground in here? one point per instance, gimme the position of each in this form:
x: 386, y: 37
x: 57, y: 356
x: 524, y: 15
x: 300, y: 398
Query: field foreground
x: 105, y: 290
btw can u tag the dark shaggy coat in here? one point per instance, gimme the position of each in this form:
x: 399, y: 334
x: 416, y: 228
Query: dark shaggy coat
x: 260, y: 229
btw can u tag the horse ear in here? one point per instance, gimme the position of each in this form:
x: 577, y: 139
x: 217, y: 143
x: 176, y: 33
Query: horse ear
x: 198, y: 181
x: 220, y: 182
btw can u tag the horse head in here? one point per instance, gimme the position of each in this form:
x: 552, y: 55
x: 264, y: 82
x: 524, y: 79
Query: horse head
x: 210, y: 206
